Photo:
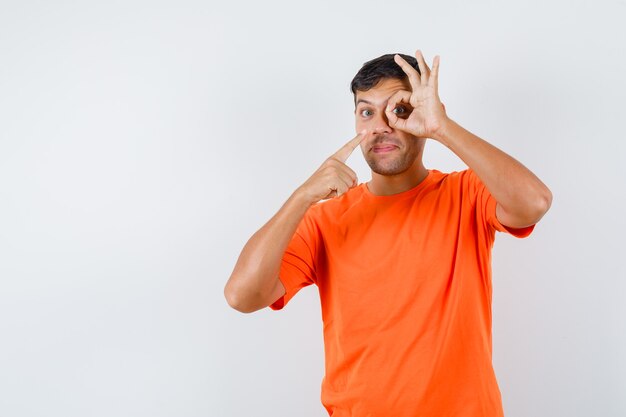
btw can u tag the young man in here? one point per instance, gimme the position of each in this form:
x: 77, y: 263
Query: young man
x: 402, y: 262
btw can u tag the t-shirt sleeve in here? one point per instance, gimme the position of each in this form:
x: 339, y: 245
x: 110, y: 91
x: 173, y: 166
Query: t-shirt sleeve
x: 486, y: 207
x: 297, y: 269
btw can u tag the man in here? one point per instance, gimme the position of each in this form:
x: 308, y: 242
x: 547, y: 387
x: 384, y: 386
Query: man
x: 402, y: 262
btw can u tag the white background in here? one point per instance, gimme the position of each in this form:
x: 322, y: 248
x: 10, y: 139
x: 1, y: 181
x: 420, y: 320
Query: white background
x: 143, y: 142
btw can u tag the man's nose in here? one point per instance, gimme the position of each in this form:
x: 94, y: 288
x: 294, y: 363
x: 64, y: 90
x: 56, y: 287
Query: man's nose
x: 381, y: 124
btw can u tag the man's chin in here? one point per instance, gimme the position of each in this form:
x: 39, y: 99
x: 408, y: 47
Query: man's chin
x: 389, y: 165
x: 387, y: 171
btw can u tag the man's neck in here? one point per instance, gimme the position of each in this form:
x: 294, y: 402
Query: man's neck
x: 394, y: 184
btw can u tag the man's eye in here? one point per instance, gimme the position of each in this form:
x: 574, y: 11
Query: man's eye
x: 365, y: 112
x: 399, y: 110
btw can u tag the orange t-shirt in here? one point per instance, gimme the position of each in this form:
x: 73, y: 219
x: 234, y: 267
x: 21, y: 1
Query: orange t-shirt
x: 405, y: 289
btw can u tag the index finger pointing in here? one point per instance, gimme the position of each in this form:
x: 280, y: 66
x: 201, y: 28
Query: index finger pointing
x: 345, y: 151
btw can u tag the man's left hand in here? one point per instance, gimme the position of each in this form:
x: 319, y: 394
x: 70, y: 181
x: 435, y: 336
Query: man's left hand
x: 428, y: 114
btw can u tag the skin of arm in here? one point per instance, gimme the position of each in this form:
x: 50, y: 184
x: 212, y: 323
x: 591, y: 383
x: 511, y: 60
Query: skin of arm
x: 254, y: 282
x: 522, y: 199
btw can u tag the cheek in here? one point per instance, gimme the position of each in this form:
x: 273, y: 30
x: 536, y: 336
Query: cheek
x: 361, y: 125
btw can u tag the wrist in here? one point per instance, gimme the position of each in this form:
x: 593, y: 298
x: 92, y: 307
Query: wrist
x: 300, y: 197
x: 443, y: 131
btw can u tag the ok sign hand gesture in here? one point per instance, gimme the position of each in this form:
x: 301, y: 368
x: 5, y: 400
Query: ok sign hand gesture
x: 428, y: 114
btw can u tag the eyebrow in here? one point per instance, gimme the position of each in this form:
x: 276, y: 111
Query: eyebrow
x: 370, y: 103
x: 363, y: 101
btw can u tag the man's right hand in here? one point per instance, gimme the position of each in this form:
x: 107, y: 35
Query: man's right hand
x: 254, y: 282
x: 333, y: 177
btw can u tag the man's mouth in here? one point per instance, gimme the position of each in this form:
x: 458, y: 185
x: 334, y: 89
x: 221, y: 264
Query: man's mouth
x: 384, y: 148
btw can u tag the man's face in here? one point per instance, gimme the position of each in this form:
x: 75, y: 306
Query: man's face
x: 387, y: 151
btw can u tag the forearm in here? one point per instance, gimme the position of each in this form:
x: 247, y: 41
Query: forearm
x: 256, y: 271
x: 521, y: 195
x: 255, y: 280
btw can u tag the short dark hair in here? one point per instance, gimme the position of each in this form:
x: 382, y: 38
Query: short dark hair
x: 376, y: 69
